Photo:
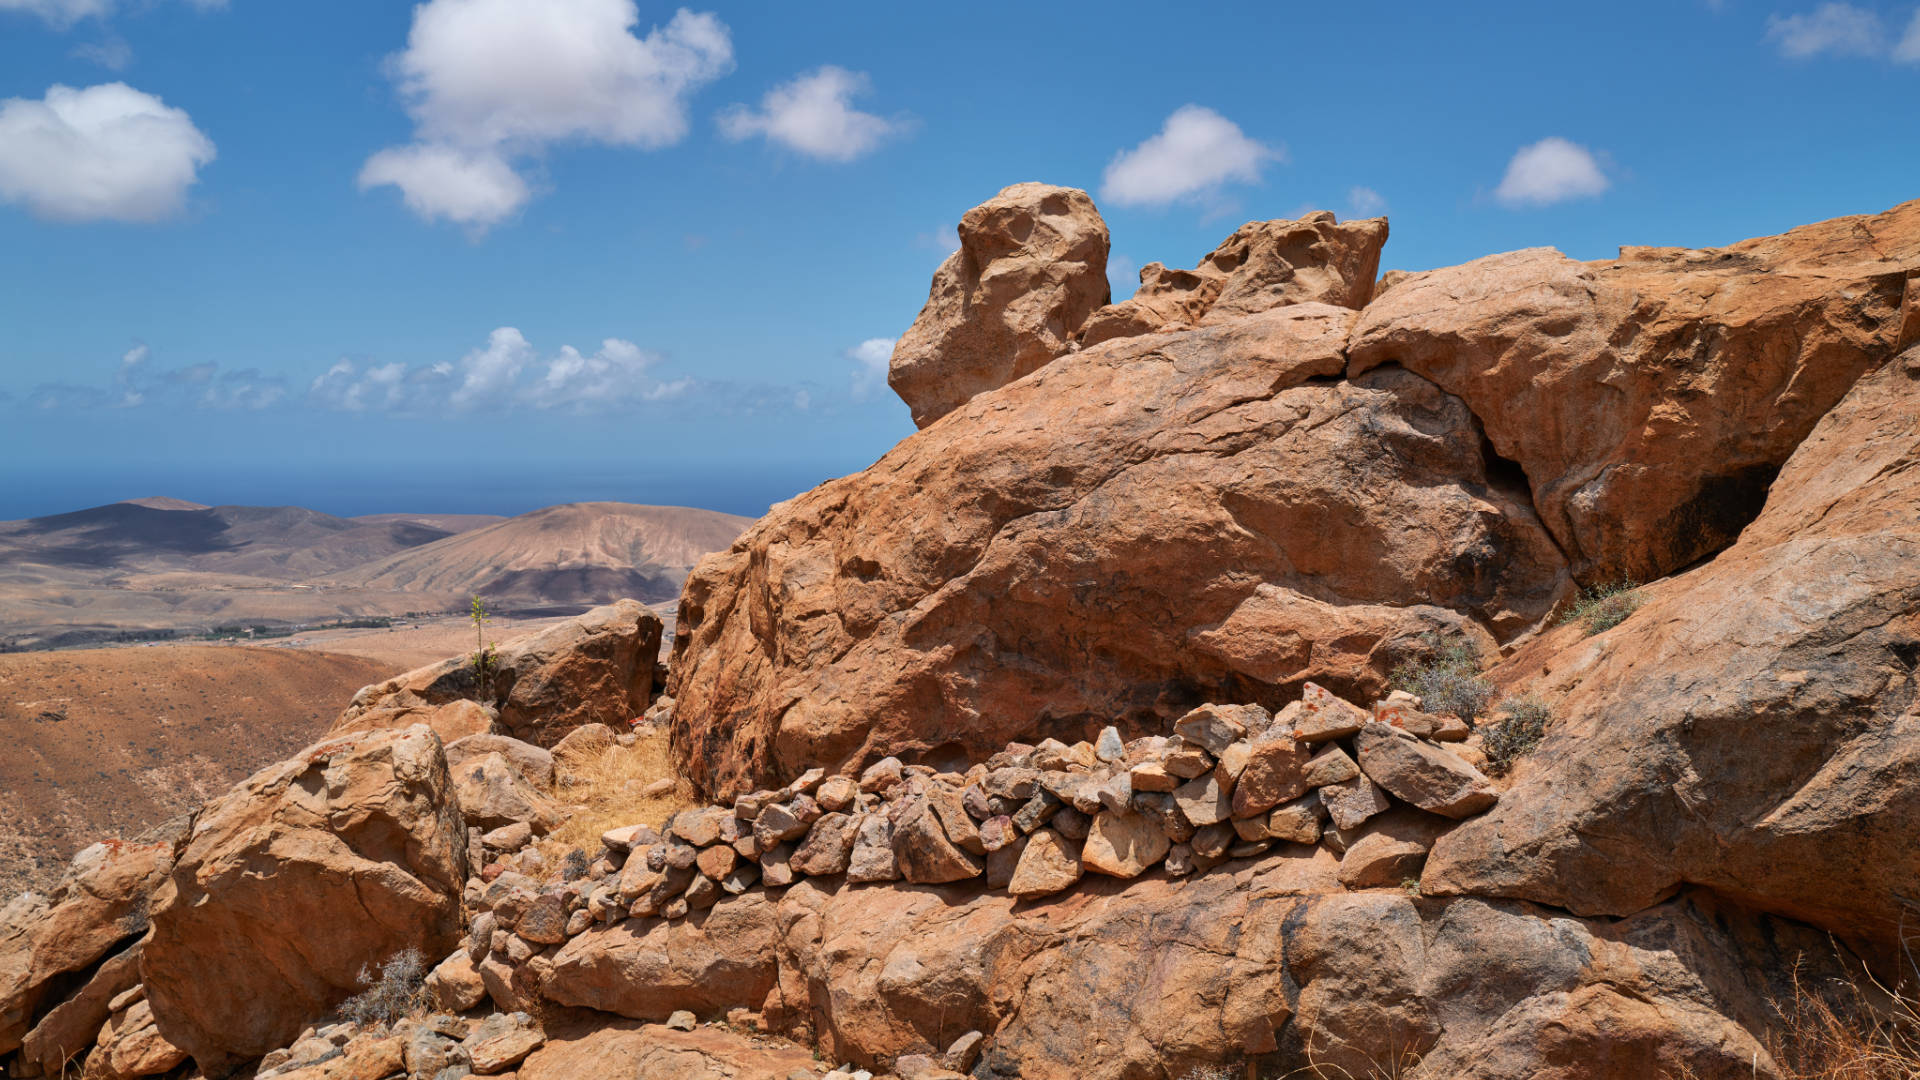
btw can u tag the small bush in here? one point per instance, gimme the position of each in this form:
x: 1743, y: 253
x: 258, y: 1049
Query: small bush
x: 400, y: 988
x: 1515, y: 735
x: 1837, y: 1033
x: 1604, y: 607
x: 1449, y: 681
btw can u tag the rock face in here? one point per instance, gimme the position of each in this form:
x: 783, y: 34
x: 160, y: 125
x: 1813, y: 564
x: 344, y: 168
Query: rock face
x: 1223, y: 525
x: 1755, y: 726
x: 1032, y: 265
x: 47, y: 942
x: 1265, y: 264
x: 1651, y: 398
x: 291, y: 884
x: 598, y: 668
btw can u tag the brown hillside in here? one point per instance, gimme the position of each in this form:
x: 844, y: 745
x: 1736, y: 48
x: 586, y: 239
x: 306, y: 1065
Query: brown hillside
x: 576, y: 553
x: 111, y: 742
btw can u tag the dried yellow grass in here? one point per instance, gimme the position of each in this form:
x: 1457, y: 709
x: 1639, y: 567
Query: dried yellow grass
x: 1857, y: 1031
x: 601, y: 790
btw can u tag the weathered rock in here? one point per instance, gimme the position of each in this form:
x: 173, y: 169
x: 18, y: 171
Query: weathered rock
x: 46, y: 942
x: 534, y: 764
x: 1215, y: 727
x: 827, y: 848
x: 454, y: 983
x: 1203, y: 800
x: 1275, y: 773
x: 1264, y: 264
x: 597, y: 668
x: 700, y: 826
x: 1298, y: 822
x: 1050, y: 864
x: 501, y: 1041
x: 645, y: 969
x: 451, y: 720
x: 1423, y: 774
x: 1032, y: 265
x: 131, y: 1046
x: 1753, y: 727
x: 366, y: 824
x: 1593, y: 376
x: 491, y: 793
x: 511, y: 837
x: 1323, y: 716
x: 1190, y: 453
x: 1389, y: 849
x: 586, y: 741
x: 924, y: 852
x: 69, y: 1030
x: 1351, y: 802
x: 634, y: 1051
x: 1329, y: 766
x: 719, y: 860
x: 545, y: 920
x: 1123, y: 845
x: 872, y: 858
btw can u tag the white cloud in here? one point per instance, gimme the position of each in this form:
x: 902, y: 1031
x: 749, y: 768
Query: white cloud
x: 105, y: 153
x: 1908, y: 51
x: 490, y: 81
x: 475, y: 189
x: 137, y: 382
x: 507, y: 372
x: 814, y: 115
x: 1196, y: 152
x: 1364, y: 202
x: 60, y: 14
x: 113, y: 53
x: 1550, y: 171
x: 870, y: 359
x: 1830, y: 29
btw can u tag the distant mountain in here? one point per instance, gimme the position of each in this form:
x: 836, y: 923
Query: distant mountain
x: 579, y: 553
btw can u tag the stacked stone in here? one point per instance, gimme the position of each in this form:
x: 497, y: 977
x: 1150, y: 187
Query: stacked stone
x: 1374, y: 788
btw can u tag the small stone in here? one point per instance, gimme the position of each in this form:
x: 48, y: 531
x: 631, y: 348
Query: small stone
x: 882, y: 775
x: 1115, y: 795
x: 1329, y: 766
x: 1188, y: 762
x: 776, y: 824
x: 717, y: 861
x: 979, y: 805
x: 1050, y: 864
x: 998, y: 832
x: 1152, y: 776
x: 1232, y: 762
x: 1002, y: 863
x: 1179, y: 860
x: 1324, y: 717
x: 1251, y: 829
x: 1274, y: 774
x: 1109, y: 747
x: 1432, y: 778
x: 702, y: 893
x: 545, y: 921
x: 1212, y: 840
x: 1351, y: 802
x: 1072, y: 823
x: 836, y: 793
x: 927, y: 856
x: 1037, y: 811
x: 1051, y: 756
x: 1164, y: 812
x: 1247, y: 849
x: 1214, y: 727
x: 675, y: 908
x: 747, y: 807
x: 825, y: 851
x: 660, y: 788
x: 1298, y: 822
x: 949, y: 806
x: 1406, y: 718
x: 1123, y: 845
x: 1019, y: 784
x: 745, y: 874
x: 1203, y: 801
x: 776, y: 869
x: 501, y: 1041
x: 681, y: 1021
x: 578, y: 922
x: 680, y: 854
x: 1452, y: 729
x: 806, y: 782
x: 960, y: 1056
x: 511, y: 837
x: 872, y: 858
x: 697, y: 827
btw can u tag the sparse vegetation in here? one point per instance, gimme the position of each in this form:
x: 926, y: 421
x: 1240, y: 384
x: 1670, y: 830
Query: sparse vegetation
x: 1604, y: 607
x: 485, y: 655
x: 1515, y: 734
x: 399, y: 989
x: 1839, y: 1033
x: 605, y: 788
x: 1449, y: 680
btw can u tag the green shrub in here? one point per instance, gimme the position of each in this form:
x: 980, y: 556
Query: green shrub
x: 1604, y: 607
x: 400, y: 988
x: 1515, y: 734
x: 1449, y: 680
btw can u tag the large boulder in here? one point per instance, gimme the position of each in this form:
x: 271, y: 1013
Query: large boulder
x: 1032, y: 264
x: 53, y: 945
x: 295, y: 884
x: 1755, y: 727
x: 1226, y: 521
x: 1651, y: 398
x: 634, y: 1051
x: 651, y: 968
x: 598, y: 668
x: 1264, y: 264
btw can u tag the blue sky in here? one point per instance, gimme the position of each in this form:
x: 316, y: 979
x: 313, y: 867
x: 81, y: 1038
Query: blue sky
x: 494, y: 254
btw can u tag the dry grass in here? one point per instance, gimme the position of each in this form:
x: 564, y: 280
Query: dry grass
x: 1857, y: 1031
x: 607, y: 785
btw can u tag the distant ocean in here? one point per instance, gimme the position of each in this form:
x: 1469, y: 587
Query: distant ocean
x: 416, y: 488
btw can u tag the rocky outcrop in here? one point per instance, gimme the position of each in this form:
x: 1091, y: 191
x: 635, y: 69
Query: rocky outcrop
x: 651, y: 1052
x: 598, y: 668
x: 1032, y: 264
x: 295, y: 883
x: 1755, y: 727
x: 51, y: 946
x: 1263, y: 265
x: 1225, y: 523
x: 1651, y: 398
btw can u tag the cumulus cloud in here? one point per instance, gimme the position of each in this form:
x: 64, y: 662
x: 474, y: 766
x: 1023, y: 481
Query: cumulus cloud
x: 1830, y: 30
x: 489, y: 82
x: 1197, y: 152
x: 870, y: 359
x: 814, y: 115
x: 104, y: 153
x: 508, y: 372
x: 1550, y: 171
